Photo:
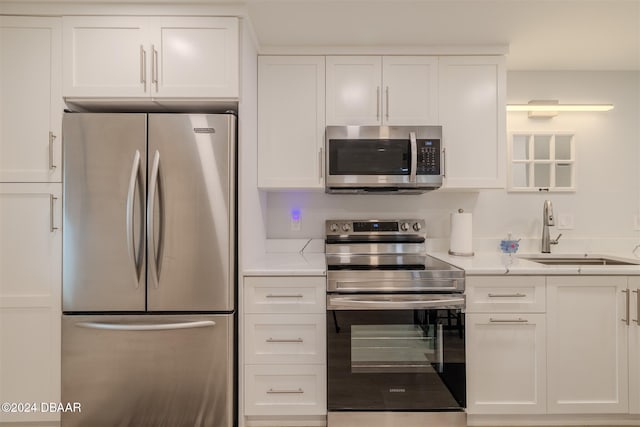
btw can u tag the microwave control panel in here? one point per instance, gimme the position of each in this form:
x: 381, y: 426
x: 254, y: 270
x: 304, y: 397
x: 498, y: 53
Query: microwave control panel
x: 428, y: 157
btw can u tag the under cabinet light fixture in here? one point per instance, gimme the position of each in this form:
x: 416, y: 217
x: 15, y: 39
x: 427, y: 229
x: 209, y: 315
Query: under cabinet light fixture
x: 551, y: 108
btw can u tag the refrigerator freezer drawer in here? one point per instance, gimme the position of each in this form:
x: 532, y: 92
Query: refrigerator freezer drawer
x: 146, y: 370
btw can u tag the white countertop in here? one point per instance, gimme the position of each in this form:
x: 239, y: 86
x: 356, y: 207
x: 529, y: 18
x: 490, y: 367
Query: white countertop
x: 491, y: 263
x: 287, y: 264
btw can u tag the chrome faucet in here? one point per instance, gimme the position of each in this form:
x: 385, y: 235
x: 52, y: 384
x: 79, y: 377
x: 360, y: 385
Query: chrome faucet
x: 548, y: 221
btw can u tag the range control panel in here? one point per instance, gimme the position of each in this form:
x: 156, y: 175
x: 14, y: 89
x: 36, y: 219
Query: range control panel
x: 374, y: 227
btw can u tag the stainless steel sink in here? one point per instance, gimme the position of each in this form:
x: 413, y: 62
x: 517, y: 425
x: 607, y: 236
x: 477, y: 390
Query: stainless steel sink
x: 578, y: 260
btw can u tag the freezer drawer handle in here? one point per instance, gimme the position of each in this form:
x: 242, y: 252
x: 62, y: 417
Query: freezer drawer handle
x: 272, y: 391
x: 518, y: 320
x: 143, y: 327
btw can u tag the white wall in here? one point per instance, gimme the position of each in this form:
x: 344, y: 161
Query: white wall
x: 606, y: 176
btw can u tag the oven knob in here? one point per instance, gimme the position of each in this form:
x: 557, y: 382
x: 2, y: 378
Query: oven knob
x: 404, y: 226
x: 346, y: 227
x: 417, y: 226
x: 333, y: 227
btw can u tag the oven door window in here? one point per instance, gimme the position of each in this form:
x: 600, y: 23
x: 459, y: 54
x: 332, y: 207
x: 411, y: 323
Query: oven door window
x: 401, y: 360
x: 369, y: 157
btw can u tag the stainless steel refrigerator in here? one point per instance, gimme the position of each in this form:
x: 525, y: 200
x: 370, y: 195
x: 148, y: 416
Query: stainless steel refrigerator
x: 149, y: 269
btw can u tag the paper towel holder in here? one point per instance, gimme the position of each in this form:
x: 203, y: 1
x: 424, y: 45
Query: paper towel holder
x: 464, y: 254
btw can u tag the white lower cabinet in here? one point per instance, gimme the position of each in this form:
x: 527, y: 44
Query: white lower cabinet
x: 506, y: 350
x: 634, y: 345
x: 30, y: 289
x: 587, y: 345
x: 284, y: 348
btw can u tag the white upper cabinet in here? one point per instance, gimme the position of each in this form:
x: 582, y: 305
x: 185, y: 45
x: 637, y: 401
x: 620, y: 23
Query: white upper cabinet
x: 472, y: 114
x: 30, y: 99
x: 374, y: 90
x: 143, y: 57
x: 291, y: 122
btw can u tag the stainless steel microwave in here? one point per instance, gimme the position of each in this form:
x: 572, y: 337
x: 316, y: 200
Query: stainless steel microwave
x: 383, y: 159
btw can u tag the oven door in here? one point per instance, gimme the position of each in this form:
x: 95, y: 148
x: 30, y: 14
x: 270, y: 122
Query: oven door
x: 395, y: 353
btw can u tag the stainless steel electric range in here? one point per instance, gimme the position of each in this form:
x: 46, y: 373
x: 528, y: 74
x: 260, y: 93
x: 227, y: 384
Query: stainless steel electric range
x: 395, y: 328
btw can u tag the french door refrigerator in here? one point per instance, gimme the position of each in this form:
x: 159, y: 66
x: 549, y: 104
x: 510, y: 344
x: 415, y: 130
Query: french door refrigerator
x: 149, y: 269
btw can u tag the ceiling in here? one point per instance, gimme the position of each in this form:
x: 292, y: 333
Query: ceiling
x: 540, y: 34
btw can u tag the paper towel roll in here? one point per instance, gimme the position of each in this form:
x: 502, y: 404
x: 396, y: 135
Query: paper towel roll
x: 461, y: 234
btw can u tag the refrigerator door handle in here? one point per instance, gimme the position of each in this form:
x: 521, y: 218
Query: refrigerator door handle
x: 153, y: 185
x: 133, y: 179
x: 146, y: 327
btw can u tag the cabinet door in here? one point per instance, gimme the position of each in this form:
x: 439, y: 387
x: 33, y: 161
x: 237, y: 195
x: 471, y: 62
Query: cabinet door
x: 354, y: 90
x: 30, y: 99
x: 194, y: 57
x: 587, y: 345
x: 634, y: 345
x: 291, y: 122
x: 410, y: 90
x: 472, y: 113
x: 506, y: 363
x: 30, y: 279
x: 106, y: 56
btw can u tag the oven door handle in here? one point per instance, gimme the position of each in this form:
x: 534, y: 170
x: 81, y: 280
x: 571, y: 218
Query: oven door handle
x: 393, y: 302
x: 414, y: 157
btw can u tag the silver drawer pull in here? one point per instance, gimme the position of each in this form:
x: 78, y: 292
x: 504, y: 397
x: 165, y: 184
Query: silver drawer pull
x: 637, y: 291
x: 284, y: 340
x: 518, y: 295
x: 518, y: 320
x: 285, y: 296
x: 272, y: 391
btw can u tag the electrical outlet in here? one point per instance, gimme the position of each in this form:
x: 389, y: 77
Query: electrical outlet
x: 296, y: 219
x: 565, y: 221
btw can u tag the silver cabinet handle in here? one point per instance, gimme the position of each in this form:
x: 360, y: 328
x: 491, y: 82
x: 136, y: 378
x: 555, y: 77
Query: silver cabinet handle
x: 154, y: 69
x: 272, y: 391
x: 518, y: 295
x: 518, y: 320
x: 133, y: 179
x: 146, y: 327
x: 143, y: 67
x: 444, y: 162
x: 284, y: 340
x: 321, y: 162
x: 387, y: 101
x: 285, y: 296
x: 378, y: 103
x: 637, y: 292
x: 628, y: 306
x: 52, y: 199
x: 52, y: 137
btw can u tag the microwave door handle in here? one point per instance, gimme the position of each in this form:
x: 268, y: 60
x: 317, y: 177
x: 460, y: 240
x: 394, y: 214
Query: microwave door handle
x: 414, y: 157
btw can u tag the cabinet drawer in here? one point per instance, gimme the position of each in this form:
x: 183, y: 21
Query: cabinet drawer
x: 494, y: 294
x: 285, y: 338
x: 284, y: 294
x: 280, y: 390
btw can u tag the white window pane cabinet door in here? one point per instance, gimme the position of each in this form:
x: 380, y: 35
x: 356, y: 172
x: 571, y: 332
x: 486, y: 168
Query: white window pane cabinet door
x: 354, y: 90
x: 410, y: 90
x: 30, y: 293
x: 587, y: 345
x: 506, y: 363
x: 106, y: 56
x: 471, y: 98
x: 30, y: 99
x: 195, y: 57
x: 291, y: 122
x: 634, y: 345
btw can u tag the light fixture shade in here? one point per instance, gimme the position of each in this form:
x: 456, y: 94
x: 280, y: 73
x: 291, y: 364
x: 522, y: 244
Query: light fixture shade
x: 551, y: 108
